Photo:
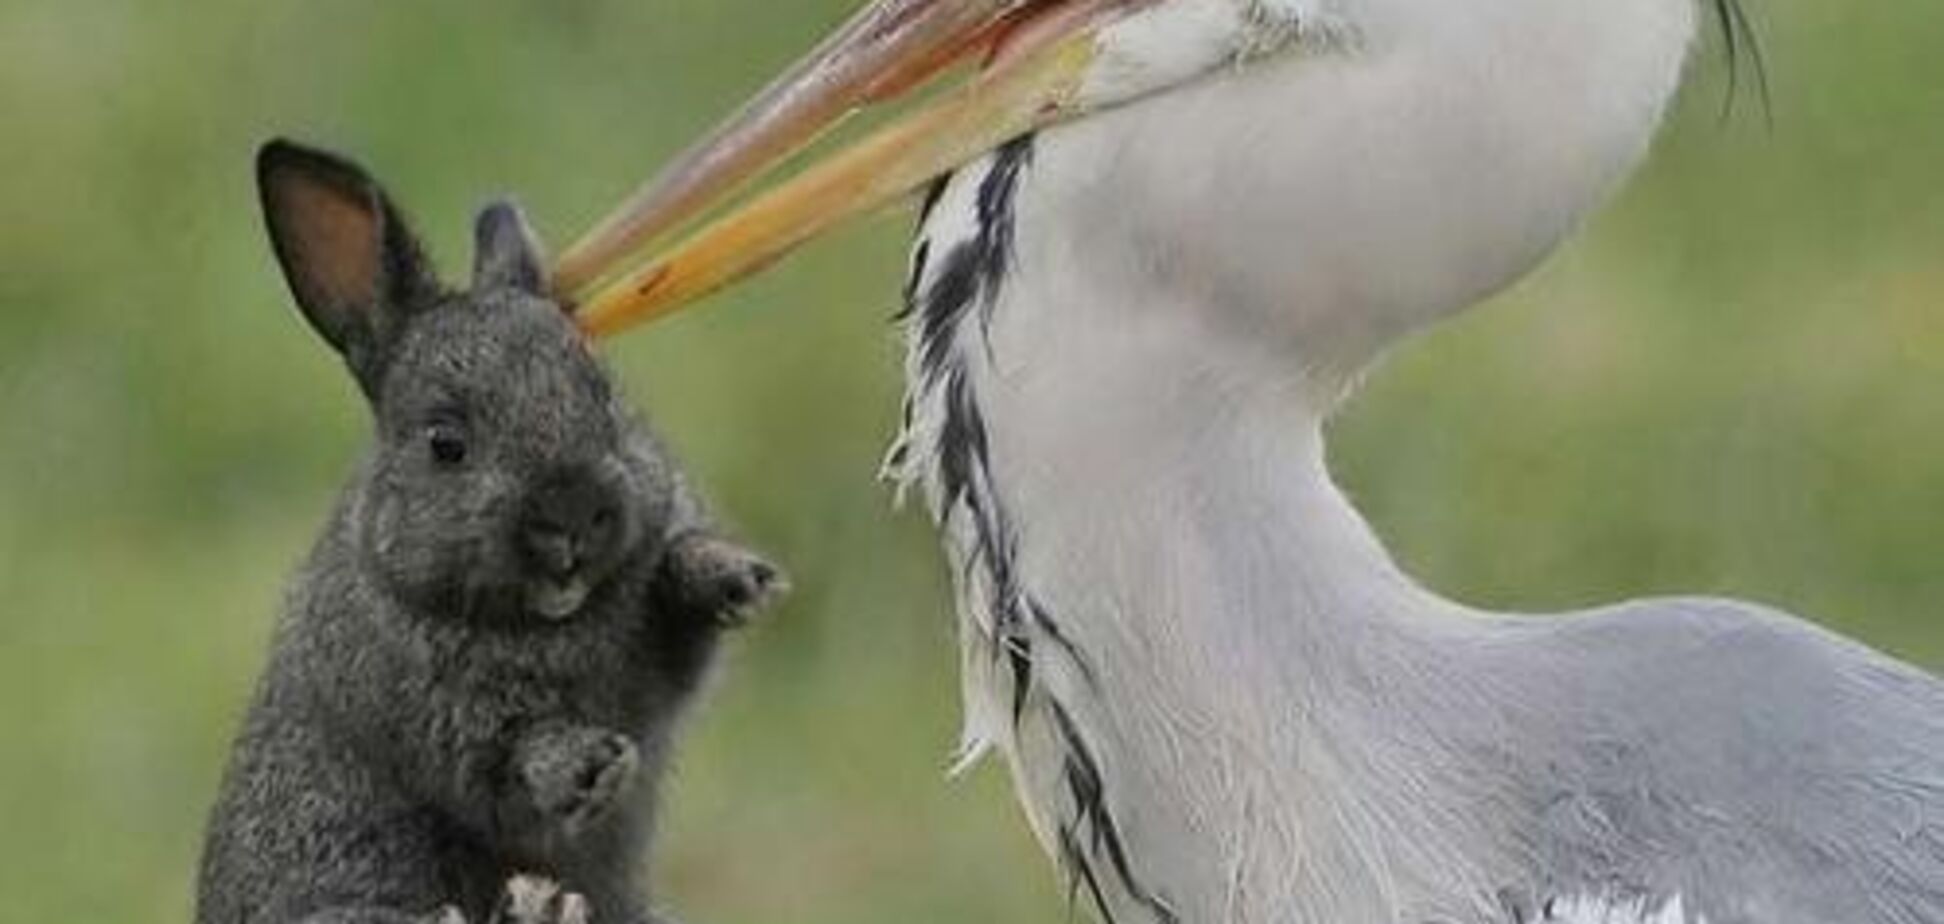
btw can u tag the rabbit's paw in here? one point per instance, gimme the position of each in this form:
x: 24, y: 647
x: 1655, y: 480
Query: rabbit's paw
x: 534, y: 900
x: 721, y: 579
x: 576, y: 776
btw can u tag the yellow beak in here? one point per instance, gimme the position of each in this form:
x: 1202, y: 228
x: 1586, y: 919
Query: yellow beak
x: 1036, y: 54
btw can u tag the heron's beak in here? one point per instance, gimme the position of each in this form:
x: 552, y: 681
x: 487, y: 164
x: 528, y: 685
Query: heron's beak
x: 1035, y: 54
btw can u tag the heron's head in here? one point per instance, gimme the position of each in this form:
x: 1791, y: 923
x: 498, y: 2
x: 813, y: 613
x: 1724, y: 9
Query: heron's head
x: 1274, y: 101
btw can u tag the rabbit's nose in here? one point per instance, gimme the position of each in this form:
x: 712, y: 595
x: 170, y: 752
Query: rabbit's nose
x: 557, y: 553
x: 572, y: 521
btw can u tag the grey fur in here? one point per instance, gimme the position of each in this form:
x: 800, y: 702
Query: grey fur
x: 478, y: 671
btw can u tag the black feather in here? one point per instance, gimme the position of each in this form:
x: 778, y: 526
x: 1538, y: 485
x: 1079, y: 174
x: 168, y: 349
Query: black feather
x: 965, y: 287
x: 1742, y: 43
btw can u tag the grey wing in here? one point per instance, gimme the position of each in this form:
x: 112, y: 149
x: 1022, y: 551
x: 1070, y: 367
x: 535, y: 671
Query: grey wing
x: 1739, y: 766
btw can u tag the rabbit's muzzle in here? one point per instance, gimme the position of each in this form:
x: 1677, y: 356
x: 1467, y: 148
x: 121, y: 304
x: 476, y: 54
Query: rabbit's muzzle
x: 571, y: 533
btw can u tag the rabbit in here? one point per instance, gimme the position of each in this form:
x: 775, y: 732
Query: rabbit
x: 478, y: 672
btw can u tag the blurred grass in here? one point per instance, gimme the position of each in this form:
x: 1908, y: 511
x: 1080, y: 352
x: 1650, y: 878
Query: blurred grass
x: 1728, y: 385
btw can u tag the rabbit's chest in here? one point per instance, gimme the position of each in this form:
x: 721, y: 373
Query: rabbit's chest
x: 591, y: 667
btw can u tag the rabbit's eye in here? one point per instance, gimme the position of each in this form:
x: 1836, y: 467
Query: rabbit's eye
x: 447, y: 442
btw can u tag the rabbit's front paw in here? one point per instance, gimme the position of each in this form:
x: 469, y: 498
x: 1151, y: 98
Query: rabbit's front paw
x: 445, y: 915
x: 575, y: 776
x: 533, y: 900
x: 723, y: 580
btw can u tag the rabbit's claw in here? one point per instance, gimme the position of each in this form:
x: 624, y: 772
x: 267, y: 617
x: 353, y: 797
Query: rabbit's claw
x: 727, y: 582
x: 577, y: 776
x: 534, y: 900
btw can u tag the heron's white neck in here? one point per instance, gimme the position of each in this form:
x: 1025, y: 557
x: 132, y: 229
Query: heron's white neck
x: 1158, y: 466
x: 1119, y: 394
x: 1175, y: 485
x: 1211, y: 615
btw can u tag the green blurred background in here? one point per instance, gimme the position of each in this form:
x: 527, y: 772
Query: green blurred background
x: 1730, y: 384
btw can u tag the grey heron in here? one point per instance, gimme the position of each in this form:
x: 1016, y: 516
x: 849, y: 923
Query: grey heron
x: 1170, y: 236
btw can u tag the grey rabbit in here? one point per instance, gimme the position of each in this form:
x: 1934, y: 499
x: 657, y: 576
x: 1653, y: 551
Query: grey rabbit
x: 477, y: 672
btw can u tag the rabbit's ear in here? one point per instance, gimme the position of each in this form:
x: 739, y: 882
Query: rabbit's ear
x: 506, y: 253
x: 354, y: 266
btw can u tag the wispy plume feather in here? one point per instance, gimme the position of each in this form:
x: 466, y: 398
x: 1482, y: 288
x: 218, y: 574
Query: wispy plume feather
x: 1743, y: 46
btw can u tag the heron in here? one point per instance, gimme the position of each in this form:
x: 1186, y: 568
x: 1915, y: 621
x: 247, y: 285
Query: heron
x: 1161, y: 240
